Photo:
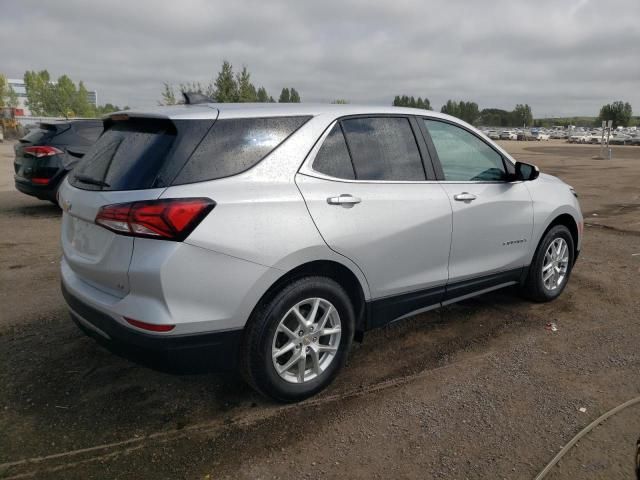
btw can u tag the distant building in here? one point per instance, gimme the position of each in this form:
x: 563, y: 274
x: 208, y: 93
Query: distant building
x: 92, y: 97
x: 20, y: 89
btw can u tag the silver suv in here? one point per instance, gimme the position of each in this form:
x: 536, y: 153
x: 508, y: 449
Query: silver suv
x: 269, y: 237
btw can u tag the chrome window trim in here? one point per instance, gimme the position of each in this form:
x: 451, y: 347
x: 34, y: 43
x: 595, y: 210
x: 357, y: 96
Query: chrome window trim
x: 307, y: 167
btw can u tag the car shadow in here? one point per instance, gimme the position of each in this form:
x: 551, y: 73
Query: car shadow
x: 61, y: 390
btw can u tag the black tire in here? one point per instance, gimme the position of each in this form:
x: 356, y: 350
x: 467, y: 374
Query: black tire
x: 534, y: 287
x: 256, y: 362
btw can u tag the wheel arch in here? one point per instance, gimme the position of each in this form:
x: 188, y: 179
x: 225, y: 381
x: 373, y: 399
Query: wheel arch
x: 330, y: 269
x: 568, y: 221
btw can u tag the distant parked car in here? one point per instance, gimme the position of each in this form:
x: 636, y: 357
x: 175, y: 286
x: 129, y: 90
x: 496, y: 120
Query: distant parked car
x: 493, y: 135
x: 540, y: 136
x: 620, y: 139
x: 594, y: 138
x: 577, y: 138
x: 508, y: 135
x: 46, y: 154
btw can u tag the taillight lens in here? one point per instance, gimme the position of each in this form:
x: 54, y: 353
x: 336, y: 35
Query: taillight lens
x: 40, y: 180
x: 166, y: 219
x: 42, y: 151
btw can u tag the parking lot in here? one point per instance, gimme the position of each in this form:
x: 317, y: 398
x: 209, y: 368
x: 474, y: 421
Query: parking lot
x: 480, y: 389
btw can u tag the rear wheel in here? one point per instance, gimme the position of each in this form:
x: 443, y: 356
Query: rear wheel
x: 549, y: 272
x: 296, y: 343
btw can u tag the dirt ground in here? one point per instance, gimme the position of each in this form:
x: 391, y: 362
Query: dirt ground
x: 476, y: 390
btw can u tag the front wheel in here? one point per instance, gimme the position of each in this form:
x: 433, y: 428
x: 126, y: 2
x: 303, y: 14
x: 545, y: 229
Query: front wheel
x: 552, y: 263
x: 296, y: 343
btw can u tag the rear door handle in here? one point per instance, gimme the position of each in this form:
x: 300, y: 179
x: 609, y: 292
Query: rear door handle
x: 344, y: 199
x: 464, y: 197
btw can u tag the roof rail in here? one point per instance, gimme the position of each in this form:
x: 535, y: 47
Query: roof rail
x: 193, y: 98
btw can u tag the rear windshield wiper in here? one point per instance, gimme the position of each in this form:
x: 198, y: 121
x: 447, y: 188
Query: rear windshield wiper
x: 90, y: 180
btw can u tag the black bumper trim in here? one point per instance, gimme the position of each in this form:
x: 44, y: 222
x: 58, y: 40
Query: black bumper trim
x: 213, y: 351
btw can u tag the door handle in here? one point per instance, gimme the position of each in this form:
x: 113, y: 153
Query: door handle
x: 344, y: 199
x: 464, y: 197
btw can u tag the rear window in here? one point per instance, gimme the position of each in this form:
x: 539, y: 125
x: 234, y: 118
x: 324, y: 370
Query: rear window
x: 235, y: 145
x: 128, y: 156
x: 34, y: 136
x: 42, y: 133
x: 89, y: 131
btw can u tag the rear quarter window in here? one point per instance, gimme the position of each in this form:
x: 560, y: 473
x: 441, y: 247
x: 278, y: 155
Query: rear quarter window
x: 235, y: 145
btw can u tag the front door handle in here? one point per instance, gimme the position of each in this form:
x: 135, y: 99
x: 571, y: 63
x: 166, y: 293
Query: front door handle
x: 465, y: 197
x: 344, y: 199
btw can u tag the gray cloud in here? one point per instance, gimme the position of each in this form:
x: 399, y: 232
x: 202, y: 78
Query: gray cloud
x: 563, y: 58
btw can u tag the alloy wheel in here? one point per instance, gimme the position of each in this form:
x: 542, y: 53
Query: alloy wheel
x: 306, y: 340
x: 556, y: 264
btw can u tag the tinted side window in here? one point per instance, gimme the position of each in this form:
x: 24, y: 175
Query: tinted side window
x: 235, y: 145
x: 463, y: 156
x: 128, y: 156
x: 383, y: 148
x: 333, y: 157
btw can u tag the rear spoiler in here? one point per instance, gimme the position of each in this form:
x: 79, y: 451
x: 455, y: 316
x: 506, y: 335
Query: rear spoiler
x: 54, y: 127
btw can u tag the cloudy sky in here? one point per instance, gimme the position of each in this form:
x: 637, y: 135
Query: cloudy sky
x: 562, y: 57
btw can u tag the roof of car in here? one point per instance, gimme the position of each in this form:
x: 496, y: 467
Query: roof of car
x: 255, y: 110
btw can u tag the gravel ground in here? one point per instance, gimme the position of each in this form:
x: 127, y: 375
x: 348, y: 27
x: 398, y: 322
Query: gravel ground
x: 475, y: 390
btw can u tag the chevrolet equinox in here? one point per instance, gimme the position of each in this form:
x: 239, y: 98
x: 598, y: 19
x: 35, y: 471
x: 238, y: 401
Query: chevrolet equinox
x: 268, y: 237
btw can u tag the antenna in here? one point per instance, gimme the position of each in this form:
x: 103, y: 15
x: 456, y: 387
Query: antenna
x: 193, y: 98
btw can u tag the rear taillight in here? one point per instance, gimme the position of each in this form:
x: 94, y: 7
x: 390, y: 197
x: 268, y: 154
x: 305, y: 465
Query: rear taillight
x: 167, y: 219
x: 40, y: 180
x: 42, y: 151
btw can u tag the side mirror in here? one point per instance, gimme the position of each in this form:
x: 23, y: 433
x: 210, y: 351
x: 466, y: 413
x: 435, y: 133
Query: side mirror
x: 526, y: 172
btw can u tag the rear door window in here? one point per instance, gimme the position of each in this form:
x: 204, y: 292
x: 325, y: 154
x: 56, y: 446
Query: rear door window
x: 235, y: 145
x: 383, y: 148
x: 333, y: 157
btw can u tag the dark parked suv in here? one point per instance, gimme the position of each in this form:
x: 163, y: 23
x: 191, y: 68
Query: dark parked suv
x: 46, y: 154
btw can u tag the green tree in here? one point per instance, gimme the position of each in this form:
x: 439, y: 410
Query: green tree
x: 295, y: 96
x: 39, y: 92
x: 8, y: 96
x: 262, y: 95
x: 80, y: 104
x: 12, y: 98
x: 246, y: 90
x: 406, y: 101
x: 108, y: 108
x: 522, y: 115
x: 4, y: 90
x: 467, y: 111
x: 284, y: 96
x: 618, y: 112
x: 495, y: 117
x: 451, y: 108
x: 168, y: 95
x: 226, y: 87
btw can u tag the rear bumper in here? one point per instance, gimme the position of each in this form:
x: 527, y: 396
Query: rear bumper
x: 42, y: 192
x: 214, y: 351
